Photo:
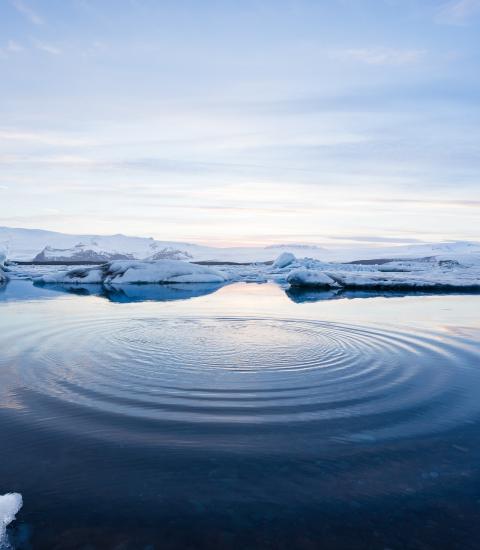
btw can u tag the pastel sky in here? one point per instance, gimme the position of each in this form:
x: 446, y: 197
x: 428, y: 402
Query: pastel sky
x: 242, y: 122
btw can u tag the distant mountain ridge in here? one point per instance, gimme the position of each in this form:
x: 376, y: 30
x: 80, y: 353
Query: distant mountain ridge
x: 28, y: 244
x: 41, y: 245
x: 79, y: 253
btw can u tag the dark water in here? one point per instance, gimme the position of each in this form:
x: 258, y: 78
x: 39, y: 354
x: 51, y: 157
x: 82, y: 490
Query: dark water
x: 241, y: 417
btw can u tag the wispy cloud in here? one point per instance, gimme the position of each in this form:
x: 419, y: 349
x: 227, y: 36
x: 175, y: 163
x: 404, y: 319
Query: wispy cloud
x: 375, y: 239
x: 458, y: 12
x: 27, y: 11
x: 380, y: 56
x: 42, y: 138
x: 419, y: 203
x: 12, y: 47
x: 44, y: 47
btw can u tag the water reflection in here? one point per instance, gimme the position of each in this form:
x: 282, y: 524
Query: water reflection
x: 138, y: 293
x: 305, y: 295
x: 24, y: 290
x: 245, y: 420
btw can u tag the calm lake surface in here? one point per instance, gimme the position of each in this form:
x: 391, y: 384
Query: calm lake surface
x: 241, y: 417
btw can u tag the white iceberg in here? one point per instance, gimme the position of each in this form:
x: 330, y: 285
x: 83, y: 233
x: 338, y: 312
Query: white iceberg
x: 443, y: 273
x: 284, y: 260
x: 437, y: 280
x: 3, y: 257
x: 10, y: 504
x: 137, y: 272
x: 310, y: 278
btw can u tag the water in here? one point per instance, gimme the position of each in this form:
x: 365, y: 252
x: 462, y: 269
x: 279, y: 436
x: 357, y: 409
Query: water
x: 240, y: 417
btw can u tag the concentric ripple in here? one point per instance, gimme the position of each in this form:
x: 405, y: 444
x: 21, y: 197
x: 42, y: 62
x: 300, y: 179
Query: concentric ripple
x: 351, y: 382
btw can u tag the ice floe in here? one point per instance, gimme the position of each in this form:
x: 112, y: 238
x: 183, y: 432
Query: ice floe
x: 3, y: 257
x: 435, y: 273
x: 445, y: 272
x: 285, y: 259
x: 10, y: 505
x: 310, y: 277
x: 137, y: 272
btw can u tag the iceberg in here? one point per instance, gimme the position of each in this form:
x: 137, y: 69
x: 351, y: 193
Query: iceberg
x: 3, y: 257
x: 437, y: 280
x: 125, y: 294
x: 446, y: 272
x: 310, y: 278
x: 136, y: 272
x: 10, y: 504
x: 284, y: 260
x: 439, y: 274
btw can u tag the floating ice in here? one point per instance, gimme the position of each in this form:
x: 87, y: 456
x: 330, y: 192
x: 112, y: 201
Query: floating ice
x: 443, y: 273
x: 285, y: 259
x: 310, y: 277
x: 10, y: 504
x: 3, y: 257
x: 137, y: 272
x: 447, y: 272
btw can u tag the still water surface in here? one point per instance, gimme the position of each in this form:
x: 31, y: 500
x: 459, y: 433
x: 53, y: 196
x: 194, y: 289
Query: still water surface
x: 240, y: 417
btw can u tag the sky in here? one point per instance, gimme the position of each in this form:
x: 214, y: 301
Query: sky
x: 242, y: 123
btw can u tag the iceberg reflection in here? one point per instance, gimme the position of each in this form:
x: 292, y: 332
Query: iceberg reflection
x: 139, y: 293
x: 301, y: 295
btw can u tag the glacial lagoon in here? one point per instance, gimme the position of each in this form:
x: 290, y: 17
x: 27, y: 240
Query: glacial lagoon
x: 239, y: 416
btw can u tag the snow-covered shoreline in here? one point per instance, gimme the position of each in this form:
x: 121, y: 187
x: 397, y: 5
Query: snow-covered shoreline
x: 30, y: 244
x: 441, y: 273
x: 446, y: 267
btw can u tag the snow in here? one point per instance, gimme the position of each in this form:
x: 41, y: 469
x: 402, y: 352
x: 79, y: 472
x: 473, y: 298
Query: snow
x: 136, y: 272
x: 80, y: 252
x: 170, y: 253
x: 25, y: 244
x: 10, y: 504
x: 435, y: 267
x: 285, y: 259
x: 445, y: 272
x: 435, y: 273
x: 438, y: 280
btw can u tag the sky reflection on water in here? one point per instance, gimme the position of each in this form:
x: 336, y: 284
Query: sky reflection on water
x: 236, y: 417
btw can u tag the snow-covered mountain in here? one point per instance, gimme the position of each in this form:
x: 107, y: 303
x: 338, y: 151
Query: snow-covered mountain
x: 27, y: 244
x: 79, y: 253
x: 170, y: 253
